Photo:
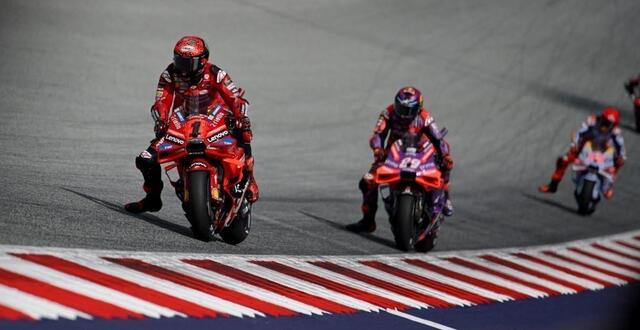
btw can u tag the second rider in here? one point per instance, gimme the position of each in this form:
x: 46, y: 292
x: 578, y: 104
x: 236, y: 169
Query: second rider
x: 406, y: 114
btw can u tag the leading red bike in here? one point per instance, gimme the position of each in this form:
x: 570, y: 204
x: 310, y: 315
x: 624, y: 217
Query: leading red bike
x: 211, y: 179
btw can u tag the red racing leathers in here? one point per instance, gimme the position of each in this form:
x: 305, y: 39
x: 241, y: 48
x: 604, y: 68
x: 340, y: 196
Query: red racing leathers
x: 390, y: 127
x: 176, y: 93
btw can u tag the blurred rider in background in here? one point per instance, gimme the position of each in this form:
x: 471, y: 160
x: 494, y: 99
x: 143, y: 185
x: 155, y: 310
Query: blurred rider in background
x: 191, y: 85
x: 632, y: 86
x: 406, y: 114
x: 596, y: 126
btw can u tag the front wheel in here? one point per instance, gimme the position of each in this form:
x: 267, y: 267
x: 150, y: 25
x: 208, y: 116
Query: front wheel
x: 404, y: 230
x: 199, y: 206
x: 239, y: 228
x: 585, y: 198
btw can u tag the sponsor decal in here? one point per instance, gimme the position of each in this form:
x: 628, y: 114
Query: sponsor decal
x: 220, y: 76
x: 145, y: 154
x: 218, y: 136
x: 176, y: 122
x: 165, y: 146
x: 197, y: 164
x: 166, y: 76
x: 174, y: 139
x: 180, y: 116
x: 428, y: 121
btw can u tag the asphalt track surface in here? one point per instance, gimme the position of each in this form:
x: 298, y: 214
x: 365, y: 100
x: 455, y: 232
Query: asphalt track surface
x: 509, y: 79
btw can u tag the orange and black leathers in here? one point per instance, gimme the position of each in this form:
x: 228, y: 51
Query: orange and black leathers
x: 390, y: 128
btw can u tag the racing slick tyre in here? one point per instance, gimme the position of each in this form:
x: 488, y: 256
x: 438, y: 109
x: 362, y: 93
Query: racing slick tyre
x: 239, y: 228
x: 199, y: 209
x: 585, y: 197
x: 404, y: 230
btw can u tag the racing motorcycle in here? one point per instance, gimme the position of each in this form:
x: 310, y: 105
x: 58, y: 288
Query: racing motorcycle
x: 411, y: 187
x: 211, y: 180
x: 635, y: 98
x: 593, y: 173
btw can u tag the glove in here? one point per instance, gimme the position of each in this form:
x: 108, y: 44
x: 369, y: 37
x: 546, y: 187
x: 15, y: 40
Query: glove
x: 244, y: 124
x: 160, y: 128
x: 378, y: 154
x: 445, y: 163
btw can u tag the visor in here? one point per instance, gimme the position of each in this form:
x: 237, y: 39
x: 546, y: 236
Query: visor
x: 405, y: 111
x: 186, y: 65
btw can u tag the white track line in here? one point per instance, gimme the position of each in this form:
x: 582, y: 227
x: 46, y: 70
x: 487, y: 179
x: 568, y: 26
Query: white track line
x: 418, y: 320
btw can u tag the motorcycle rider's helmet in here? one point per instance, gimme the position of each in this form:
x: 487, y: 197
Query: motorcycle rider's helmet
x: 608, y: 119
x: 189, y: 57
x: 407, y: 103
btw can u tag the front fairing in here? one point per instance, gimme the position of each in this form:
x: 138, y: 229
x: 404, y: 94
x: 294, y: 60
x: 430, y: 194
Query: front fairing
x: 595, y: 161
x: 410, y: 164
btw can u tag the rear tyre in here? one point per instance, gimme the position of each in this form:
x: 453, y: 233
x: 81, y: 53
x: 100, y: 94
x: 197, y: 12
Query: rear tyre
x: 239, y: 228
x: 404, y: 225
x: 585, y: 197
x: 199, y: 209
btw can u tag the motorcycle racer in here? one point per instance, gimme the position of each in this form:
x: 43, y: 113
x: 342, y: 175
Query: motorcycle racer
x: 596, y: 126
x: 632, y: 86
x: 191, y: 85
x: 406, y: 114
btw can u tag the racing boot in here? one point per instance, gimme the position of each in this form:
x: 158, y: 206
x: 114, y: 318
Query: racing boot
x: 608, y: 194
x: 147, y: 163
x: 447, y: 210
x: 550, y: 188
x: 151, y: 203
x: 365, y: 225
x: 253, y: 192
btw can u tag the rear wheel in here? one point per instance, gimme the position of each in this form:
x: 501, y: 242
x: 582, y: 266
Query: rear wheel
x: 239, y: 228
x: 585, y: 197
x: 199, y: 209
x: 404, y: 225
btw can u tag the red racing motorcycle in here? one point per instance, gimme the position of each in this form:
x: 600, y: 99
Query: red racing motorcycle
x: 211, y: 180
